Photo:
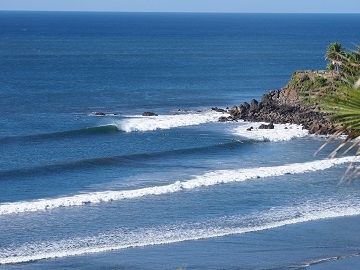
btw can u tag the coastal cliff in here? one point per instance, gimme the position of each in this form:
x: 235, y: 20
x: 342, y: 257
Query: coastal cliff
x: 292, y: 104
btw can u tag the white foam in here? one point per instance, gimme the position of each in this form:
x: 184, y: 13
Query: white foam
x: 281, y: 132
x: 204, y: 180
x: 218, y: 227
x: 150, y: 123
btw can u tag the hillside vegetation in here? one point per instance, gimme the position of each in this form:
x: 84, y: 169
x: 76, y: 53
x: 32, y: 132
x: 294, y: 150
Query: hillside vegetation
x: 342, y: 70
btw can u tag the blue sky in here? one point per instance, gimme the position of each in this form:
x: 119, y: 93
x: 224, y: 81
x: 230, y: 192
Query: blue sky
x: 313, y: 6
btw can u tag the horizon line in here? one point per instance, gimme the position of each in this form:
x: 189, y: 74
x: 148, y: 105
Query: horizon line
x: 194, y: 12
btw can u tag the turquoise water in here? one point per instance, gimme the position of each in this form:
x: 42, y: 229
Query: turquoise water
x: 122, y: 191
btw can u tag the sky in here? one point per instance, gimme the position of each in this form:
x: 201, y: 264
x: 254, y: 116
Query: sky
x: 233, y: 6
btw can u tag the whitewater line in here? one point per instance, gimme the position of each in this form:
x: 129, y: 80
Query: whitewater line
x: 204, y: 180
x: 119, y: 240
x: 134, y: 123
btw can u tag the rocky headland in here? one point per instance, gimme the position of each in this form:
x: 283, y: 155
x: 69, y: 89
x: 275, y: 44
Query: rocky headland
x: 288, y: 105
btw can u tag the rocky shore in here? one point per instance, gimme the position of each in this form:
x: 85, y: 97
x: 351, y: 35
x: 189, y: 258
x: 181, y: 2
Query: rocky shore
x: 280, y: 107
x: 284, y: 106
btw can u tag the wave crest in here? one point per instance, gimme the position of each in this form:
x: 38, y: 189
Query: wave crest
x: 150, y: 123
x: 204, y: 180
x: 174, y: 233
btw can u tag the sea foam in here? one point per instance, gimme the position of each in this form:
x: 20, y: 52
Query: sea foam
x: 150, y: 123
x: 281, y: 132
x: 208, y: 179
x: 218, y: 227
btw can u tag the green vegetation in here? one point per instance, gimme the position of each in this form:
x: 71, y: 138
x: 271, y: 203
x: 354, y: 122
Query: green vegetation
x: 311, y: 85
x: 335, y: 54
x: 342, y: 99
x: 336, y: 91
x: 342, y: 71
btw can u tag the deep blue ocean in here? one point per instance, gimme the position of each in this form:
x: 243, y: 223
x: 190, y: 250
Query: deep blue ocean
x: 87, y: 182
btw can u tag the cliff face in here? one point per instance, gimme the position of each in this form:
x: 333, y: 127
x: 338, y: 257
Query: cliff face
x: 287, y: 105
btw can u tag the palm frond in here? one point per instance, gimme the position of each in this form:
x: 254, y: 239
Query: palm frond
x: 342, y: 103
x: 344, y: 107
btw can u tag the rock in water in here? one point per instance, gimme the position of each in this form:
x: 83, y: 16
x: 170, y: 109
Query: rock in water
x: 149, y: 114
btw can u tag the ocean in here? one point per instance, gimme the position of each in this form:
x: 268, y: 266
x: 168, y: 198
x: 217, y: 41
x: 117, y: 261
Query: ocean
x: 87, y: 182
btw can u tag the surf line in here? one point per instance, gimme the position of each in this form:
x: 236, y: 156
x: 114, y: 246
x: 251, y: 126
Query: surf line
x: 204, y: 180
x: 118, y: 240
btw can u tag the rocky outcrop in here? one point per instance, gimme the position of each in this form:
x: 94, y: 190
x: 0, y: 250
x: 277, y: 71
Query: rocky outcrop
x: 280, y: 107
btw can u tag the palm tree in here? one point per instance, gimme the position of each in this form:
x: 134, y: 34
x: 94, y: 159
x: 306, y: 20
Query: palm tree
x: 350, y: 65
x: 344, y: 104
x: 335, y: 54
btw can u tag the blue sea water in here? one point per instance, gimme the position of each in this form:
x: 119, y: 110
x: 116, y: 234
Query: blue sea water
x: 177, y: 190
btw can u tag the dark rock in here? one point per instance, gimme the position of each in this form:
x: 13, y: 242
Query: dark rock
x: 230, y: 118
x: 223, y: 119
x: 149, y: 114
x: 246, y: 105
x: 269, y: 126
x: 266, y: 98
x: 254, y: 105
x: 99, y: 114
x: 218, y: 109
x: 263, y: 126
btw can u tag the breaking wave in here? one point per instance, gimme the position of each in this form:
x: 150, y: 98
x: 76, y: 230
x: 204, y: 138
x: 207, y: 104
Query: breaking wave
x: 217, y: 227
x: 208, y: 179
x: 150, y: 123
